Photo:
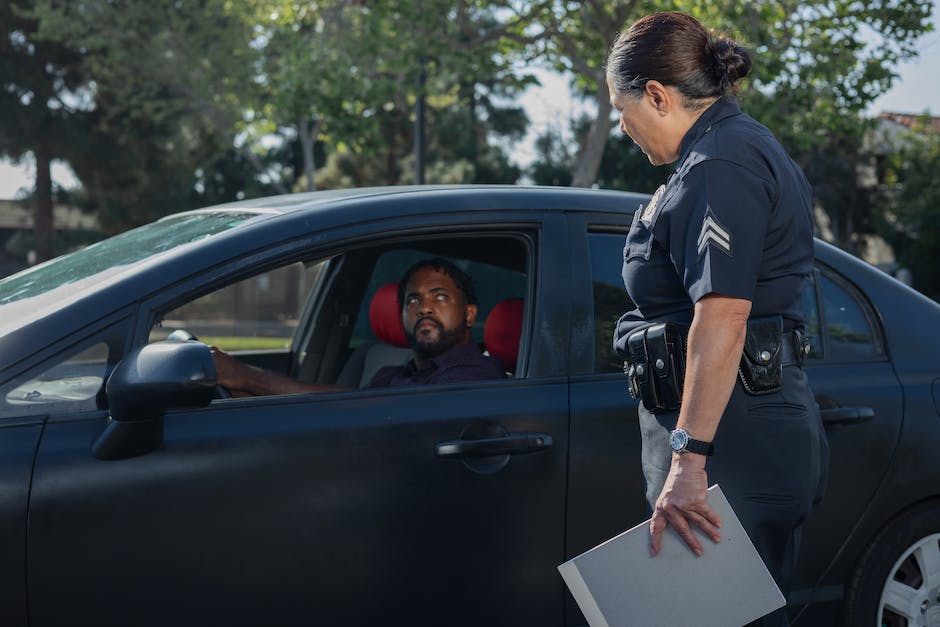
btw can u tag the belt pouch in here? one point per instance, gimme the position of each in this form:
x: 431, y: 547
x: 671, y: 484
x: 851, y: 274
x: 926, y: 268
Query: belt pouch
x: 761, y: 369
x: 665, y: 346
x: 639, y: 370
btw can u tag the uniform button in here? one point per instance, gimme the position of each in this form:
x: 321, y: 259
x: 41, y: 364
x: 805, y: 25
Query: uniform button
x: 660, y: 364
x: 764, y: 356
x: 640, y: 369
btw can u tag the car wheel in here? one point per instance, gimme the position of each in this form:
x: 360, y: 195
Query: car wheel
x: 897, y: 583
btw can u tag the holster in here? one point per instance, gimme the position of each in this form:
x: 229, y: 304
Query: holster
x: 656, y: 365
x: 761, y: 369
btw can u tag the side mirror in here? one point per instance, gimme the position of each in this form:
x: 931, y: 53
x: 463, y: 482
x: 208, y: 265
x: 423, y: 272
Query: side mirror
x: 144, y: 385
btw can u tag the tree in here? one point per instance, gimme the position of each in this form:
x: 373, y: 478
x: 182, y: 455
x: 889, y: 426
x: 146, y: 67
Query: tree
x: 580, y: 34
x: 42, y: 107
x: 816, y: 63
x: 167, y: 84
x: 912, y: 222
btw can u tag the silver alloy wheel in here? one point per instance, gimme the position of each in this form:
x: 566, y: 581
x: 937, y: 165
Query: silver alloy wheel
x: 911, y: 595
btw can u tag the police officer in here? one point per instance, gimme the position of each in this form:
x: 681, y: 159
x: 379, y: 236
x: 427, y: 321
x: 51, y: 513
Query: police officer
x: 720, y: 253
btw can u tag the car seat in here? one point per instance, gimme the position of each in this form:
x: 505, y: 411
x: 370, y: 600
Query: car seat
x: 502, y: 332
x: 391, y: 349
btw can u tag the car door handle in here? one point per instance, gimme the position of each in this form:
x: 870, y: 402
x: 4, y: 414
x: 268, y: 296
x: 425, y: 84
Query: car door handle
x: 846, y: 415
x: 509, y: 444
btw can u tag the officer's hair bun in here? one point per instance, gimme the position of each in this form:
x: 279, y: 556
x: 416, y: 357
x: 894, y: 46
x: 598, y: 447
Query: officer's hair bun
x: 730, y: 62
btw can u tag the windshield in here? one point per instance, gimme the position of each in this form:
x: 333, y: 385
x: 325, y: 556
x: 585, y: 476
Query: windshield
x: 118, y: 251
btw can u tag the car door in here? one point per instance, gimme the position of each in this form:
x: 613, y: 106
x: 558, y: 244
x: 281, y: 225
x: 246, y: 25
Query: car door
x: 605, y: 484
x: 861, y: 403
x: 352, y: 508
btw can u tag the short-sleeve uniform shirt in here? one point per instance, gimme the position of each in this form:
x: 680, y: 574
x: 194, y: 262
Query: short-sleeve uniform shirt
x: 734, y: 218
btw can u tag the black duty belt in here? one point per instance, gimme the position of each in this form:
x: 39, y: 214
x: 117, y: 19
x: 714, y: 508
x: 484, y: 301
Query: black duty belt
x: 794, y: 348
x: 656, y: 363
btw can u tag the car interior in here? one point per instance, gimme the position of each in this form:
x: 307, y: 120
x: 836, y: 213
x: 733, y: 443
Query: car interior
x: 336, y: 320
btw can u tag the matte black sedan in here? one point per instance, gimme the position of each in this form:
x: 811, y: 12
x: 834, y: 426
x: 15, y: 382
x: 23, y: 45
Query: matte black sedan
x: 133, y: 492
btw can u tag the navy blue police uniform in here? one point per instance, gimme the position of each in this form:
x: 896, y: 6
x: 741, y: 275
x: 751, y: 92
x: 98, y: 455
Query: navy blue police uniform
x: 734, y: 219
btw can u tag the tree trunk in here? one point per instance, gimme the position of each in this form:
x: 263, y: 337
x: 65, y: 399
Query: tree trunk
x: 589, y: 157
x: 306, y: 149
x: 43, y: 216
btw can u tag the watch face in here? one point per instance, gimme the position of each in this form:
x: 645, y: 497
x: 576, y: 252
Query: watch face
x: 678, y: 439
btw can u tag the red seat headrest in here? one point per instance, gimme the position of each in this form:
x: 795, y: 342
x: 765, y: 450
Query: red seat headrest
x: 385, y: 316
x: 503, y: 330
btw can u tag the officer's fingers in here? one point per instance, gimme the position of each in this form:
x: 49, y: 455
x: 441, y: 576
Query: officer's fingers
x: 677, y: 518
x: 657, y: 527
x: 706, y: 525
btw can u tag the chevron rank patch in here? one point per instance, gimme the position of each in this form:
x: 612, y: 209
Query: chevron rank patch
x: 715, y: 234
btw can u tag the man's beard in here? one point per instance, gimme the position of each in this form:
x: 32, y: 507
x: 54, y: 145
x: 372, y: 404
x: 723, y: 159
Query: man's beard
x: 446, y: 340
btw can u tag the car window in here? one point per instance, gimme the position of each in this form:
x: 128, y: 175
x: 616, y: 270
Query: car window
x: 69, y: 383
x: 850, y: 333
x: 838, y: 322
x: 610, y: 297
x: 258, y: 313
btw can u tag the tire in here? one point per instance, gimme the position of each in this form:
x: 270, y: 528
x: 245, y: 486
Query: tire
x: 897, y: 583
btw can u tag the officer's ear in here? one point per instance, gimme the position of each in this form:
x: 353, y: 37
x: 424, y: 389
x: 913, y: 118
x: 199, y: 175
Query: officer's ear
x: 660, y: 97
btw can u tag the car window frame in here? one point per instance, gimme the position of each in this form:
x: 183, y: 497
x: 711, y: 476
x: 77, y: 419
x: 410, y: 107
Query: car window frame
x: 864, y: 305
x: 332, y: 243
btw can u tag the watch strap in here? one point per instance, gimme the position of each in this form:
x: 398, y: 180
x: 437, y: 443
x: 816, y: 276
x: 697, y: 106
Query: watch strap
x: 702, y: 448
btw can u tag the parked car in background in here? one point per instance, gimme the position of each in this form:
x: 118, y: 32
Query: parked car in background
x: 135, y: 493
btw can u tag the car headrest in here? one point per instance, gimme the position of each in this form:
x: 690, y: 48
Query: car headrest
x: 385, y: 316
x: 503, y: 330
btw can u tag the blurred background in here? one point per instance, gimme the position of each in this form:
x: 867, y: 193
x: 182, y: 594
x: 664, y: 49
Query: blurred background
x: 115, y: 113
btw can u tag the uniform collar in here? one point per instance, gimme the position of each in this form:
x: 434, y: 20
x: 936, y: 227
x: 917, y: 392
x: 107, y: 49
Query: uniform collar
x: 724, y: 107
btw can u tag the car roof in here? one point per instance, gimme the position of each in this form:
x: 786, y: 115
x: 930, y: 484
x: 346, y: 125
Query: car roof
x: 271, y: 221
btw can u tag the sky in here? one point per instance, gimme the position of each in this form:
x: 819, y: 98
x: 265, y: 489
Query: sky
x: 552, y: 106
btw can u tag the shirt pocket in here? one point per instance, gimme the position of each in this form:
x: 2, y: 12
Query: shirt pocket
x: 639, y: 241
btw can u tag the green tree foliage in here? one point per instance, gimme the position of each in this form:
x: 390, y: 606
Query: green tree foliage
x: 168, y: 83
x: 912, y: 223
x: 42, y: 108
x: 817, y: 66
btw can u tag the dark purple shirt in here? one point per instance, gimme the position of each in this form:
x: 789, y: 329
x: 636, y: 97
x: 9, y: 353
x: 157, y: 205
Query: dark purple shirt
x: 460, y: 364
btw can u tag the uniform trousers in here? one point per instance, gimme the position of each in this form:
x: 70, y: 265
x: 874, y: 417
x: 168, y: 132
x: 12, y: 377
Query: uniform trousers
x: 771, y: 460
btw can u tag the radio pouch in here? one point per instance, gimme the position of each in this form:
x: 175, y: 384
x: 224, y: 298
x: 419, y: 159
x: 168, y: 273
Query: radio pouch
x: 656, y: 366
x: 761, y: 369
x: 638, y: 370
x: 665, y: 346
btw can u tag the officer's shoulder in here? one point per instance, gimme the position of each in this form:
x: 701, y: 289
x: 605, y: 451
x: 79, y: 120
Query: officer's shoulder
x: 743, y: 140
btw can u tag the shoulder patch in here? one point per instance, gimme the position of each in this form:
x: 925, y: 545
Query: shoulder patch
x: 714, y: 234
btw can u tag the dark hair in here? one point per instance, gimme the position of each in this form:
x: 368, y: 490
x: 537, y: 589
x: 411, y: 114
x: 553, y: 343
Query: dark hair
x: 461, y: 278
x: 676, y: 50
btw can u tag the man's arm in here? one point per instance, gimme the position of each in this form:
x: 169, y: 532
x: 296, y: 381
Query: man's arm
x: 244, y: 380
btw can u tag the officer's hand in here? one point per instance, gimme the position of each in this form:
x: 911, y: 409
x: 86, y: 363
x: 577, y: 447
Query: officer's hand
x: 682, y: 504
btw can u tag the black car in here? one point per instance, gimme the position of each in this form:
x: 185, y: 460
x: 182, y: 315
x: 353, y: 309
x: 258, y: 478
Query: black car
x: 134, y: 492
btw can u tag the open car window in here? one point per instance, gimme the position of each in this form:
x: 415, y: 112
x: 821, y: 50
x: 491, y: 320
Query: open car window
x: 255, y: 314
x: 307, y: 320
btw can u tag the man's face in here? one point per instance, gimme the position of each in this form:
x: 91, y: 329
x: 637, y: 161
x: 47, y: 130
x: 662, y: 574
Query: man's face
x: 435, y: 313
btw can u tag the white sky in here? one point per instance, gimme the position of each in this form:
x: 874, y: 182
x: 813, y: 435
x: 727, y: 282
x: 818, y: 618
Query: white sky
x: 551, y: 105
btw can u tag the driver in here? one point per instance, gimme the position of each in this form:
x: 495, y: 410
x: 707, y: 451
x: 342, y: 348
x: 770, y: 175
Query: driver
x: 439, y: 307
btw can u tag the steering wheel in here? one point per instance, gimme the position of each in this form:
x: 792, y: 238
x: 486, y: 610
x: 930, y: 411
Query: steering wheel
x: 182, y: 335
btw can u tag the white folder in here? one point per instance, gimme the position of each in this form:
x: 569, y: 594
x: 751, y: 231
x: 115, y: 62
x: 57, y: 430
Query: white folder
x: 618, y: 583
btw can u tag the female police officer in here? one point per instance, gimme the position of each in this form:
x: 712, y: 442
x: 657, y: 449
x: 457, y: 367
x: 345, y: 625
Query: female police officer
x: 715, y: 264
